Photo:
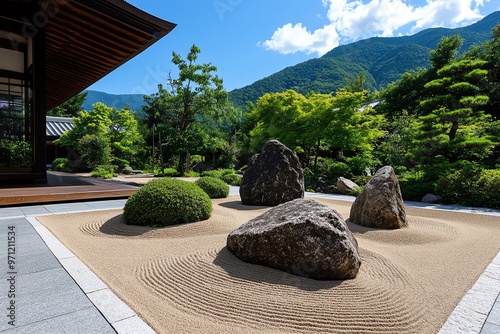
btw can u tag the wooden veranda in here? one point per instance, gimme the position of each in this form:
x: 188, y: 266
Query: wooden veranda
x: 63, y: 187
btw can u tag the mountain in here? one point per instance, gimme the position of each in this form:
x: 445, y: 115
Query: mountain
x: 383, y: 59
x: 135, y: 101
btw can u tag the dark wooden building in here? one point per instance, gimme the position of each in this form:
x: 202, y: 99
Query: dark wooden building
x: 51, y: 50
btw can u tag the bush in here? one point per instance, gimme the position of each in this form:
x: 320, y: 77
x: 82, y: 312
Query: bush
x: 359, y: 164
x: 337, y: 169
x: 191, y: 173
x: 332, y: 169
x: 487, y: 188
x: 218, y: 173
x: 167, y: 201
x: 357, y: 191
x: 215, y: 188
x: 61, y: 165
x: 232, y: 179
x: 470, y: 185
x: 15, y: 154
x: 459, y: 182
x: 362, y: 180
x: 172, y: 172
x: 104, y: 172
x: 414, y: 186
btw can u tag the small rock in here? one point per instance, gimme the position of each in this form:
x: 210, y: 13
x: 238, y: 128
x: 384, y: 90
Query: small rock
x: 130, y: 170
x: 301, y: 237
x: 322, y: 186
x: 346, y: 186
x: 431, y: 198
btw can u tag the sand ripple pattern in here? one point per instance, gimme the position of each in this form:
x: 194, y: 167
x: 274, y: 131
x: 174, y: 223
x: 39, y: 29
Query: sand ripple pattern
x: 114, y: 227
x: 419, y: 231
x: 218, y: 286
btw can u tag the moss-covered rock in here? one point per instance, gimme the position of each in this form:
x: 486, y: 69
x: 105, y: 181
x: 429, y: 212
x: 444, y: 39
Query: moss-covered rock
x: 215, y: 188
x: 167, y: 202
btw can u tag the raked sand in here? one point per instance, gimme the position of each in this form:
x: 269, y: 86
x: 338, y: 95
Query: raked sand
x: 182, y: 279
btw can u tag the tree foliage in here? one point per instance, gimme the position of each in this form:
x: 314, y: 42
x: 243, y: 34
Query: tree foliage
x: 103, y: 135
x: 70, y: 108
x: 337, y: 123
x: 192, y: 110
x: 452, y: 121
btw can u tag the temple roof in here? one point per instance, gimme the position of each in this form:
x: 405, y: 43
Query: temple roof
x: 87, y: 39
x: 56, y: 126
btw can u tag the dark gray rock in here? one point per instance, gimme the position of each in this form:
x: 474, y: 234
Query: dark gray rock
x: 380, y: 205
x: 322, y: 186
x: 302, y: 237
x: 346, y: 186
x: 130, y: 170
x: 202, y: 166
x: 432, y: 199
x: 273, y: 177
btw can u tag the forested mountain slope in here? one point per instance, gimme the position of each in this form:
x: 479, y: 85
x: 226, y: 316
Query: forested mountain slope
x: 383, y: 59
x: 134, y: 101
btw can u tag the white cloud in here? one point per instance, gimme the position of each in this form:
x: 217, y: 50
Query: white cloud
x: 352, y: 20
x: 294, y: 38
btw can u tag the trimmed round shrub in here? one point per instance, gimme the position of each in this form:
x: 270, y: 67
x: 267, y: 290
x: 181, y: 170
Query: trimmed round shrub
x: 165, y: 202
x: 215, y: 188
x: 232, y: 179
x: 61, y: 165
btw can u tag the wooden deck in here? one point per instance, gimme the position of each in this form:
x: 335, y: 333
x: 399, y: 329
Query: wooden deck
x: 63, y: 187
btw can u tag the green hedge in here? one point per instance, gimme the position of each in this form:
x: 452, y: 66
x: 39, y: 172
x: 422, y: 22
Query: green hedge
x: 104, y: 172
x: 215, y: 188
x: 227, y: 175
x: 232, y: 179
x: 471, y: 186
x: 167, y: 201
x: 218, y: 173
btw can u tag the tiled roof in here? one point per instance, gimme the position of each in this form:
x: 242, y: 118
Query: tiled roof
x: 55, y: 126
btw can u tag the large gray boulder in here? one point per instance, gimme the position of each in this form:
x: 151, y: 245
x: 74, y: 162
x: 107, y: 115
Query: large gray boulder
x: 380, y: 205
x: 302, y: 237
x: 346, y: 186
x: 273, y: 177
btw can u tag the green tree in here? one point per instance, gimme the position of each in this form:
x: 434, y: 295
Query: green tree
x: 445, y: 52
x: 70, y: 108
x: 407, y: 93
x: 492, y: 56
x: 95, y: 150
x: 398, y: 140
x: 89, y: 135
x: 125, y: 138
x: 104, y: 135
x: 404, y: 95
x: 316, y: 122
x: 353, y: 126
x: 452, y: 121
x: 276, y: 116
x: 195, y: 95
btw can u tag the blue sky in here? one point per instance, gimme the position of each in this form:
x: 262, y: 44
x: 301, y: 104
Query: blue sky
x: 248, y: 40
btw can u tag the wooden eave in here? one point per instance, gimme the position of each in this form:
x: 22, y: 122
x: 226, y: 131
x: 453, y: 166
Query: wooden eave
x: 87, y: 39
